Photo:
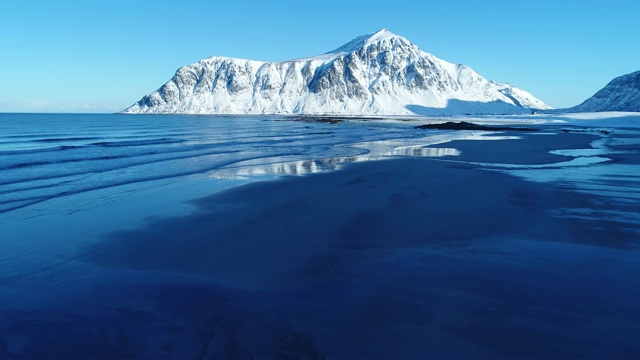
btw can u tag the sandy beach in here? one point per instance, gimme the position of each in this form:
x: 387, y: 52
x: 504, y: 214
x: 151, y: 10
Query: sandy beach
x: 508, y: 249
x: 407, y: 258
x: 260, y: 180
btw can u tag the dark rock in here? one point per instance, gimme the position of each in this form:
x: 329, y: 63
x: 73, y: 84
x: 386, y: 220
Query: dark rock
x: 463, y: 125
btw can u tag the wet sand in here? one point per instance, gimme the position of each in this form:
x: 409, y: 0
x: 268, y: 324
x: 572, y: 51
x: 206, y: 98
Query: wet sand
x: 408, y: 258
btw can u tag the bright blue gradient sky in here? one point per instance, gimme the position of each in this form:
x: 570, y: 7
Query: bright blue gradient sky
x: 103, y: 55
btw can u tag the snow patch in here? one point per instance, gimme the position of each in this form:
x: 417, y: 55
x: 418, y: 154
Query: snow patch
x: 375, y: 74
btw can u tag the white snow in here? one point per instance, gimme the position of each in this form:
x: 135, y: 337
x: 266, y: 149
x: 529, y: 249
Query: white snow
x: 375, y: 74
x: 600, y: 115
x: 620, y: 94
x: 599, y: 119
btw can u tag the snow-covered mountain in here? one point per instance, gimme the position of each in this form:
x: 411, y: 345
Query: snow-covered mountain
x: 375, y: 74
x: 621, y: 94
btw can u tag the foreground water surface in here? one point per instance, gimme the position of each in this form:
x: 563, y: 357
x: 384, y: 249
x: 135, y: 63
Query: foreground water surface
x: 168, y: 237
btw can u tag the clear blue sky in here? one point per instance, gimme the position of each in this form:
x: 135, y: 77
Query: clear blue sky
x: 103, y: 55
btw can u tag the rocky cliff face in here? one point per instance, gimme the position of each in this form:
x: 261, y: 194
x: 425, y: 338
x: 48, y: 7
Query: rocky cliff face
x: 375, y: 74
x: 621, y: 94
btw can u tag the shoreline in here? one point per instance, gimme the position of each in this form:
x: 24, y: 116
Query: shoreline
x: 379, y: 250
x: 411, y: 257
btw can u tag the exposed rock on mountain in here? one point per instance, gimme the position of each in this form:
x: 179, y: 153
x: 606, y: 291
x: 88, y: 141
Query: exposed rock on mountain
x: 376, y: 74
x: 621, y: 94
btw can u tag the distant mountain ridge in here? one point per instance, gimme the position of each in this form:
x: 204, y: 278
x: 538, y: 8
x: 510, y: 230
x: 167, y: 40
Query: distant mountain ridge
x: 375, y: 74
x: 621, y: 94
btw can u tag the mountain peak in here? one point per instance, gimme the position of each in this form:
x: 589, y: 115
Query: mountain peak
x: 380, y: 35
x: 620, y: 94
x: 378, y: 73
x: 364, y: 40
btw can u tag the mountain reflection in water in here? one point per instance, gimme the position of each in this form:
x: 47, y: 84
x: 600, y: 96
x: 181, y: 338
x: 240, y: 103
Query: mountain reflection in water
x: 377, y: 150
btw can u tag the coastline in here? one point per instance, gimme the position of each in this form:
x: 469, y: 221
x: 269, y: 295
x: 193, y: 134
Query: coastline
x: 399, y: 258
x: 403, y: 258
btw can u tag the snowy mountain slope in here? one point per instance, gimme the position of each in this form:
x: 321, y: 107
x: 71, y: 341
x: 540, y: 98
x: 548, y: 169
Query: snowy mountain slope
x: 621, y: 94
x: 375, y: 74
x: 520, y: 97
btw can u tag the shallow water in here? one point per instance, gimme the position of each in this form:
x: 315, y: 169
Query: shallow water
x: 44, y: 157
x: 155, y: 237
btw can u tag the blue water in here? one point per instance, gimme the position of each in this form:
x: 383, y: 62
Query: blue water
x: 47, y: 156
x: 188, y: 237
